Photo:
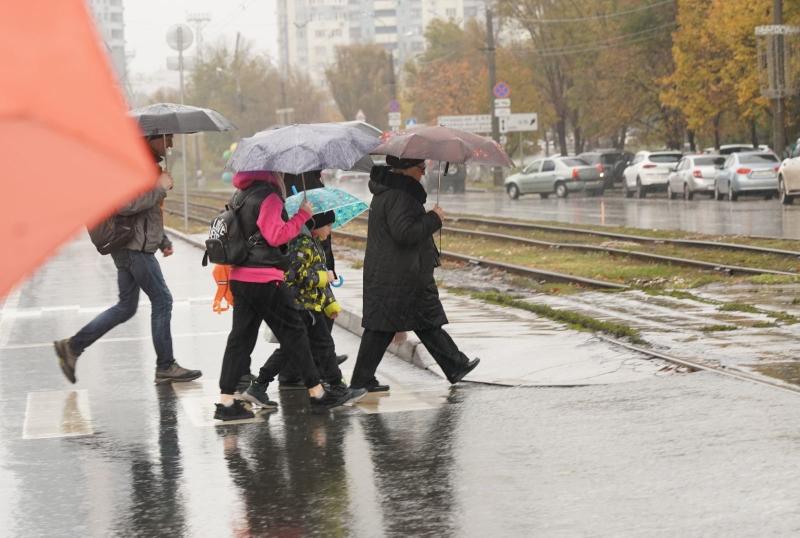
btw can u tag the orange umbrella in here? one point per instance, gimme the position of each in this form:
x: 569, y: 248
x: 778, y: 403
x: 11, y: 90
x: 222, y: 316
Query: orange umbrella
x: 69, y: 153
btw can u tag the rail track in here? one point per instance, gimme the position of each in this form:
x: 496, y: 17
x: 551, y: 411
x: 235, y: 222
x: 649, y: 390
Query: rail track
x: 203, y: 213
x: 690, y: 364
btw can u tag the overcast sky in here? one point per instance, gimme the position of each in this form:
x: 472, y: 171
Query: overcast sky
x: 147, y: 21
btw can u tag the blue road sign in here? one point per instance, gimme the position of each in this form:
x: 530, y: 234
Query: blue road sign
x: 410, y: 122
x: 394, y: 106
x: 501, y: 90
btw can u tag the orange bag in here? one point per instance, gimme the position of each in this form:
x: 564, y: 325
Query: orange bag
x: 222, y: 275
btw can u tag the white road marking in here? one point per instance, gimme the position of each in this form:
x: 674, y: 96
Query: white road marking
x: 120, y: 339
x: 57, y: 413
x: 7, y: 315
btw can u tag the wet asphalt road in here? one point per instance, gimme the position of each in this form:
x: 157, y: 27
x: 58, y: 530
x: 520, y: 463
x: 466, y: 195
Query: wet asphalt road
x: 688, y: 455
x: 748, y: 216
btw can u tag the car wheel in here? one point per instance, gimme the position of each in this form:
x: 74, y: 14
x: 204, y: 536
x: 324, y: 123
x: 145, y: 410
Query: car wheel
x: 626, y: 190
x: 671, y: 195
x: 641, y: 190
x: 544, y: 195
x: 732, y: 195
x: 687, y: 193
x: 785, y: 198
x: 512, y: 190
x: 561, y: 190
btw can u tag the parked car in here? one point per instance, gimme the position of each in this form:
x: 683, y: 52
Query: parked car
x: 558, y: 175
x: 789, y: 177
x: 454, y: 180
x: 648, y: 172
x: 694, y: 174
x: 747, y: 173
x: 727, y: 149
x: 609, y: 162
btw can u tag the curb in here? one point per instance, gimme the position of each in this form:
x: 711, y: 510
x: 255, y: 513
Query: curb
x: 410, y: 351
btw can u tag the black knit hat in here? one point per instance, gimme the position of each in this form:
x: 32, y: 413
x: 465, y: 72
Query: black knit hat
x: 322, y: 219
x: 402, y: 164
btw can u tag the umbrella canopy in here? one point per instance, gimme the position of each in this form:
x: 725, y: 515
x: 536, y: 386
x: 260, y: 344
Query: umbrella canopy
x: 343, y: 204
x: 70, y: 153
x: 299, y: 148
x: 444, y: 144
x: 170, y: 118
x: 365, y: 163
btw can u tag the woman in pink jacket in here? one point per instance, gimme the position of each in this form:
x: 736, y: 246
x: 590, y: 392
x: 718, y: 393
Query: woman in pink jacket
x: 260, y: 294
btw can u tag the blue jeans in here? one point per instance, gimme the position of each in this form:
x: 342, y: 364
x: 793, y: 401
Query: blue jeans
x: 135, y: 270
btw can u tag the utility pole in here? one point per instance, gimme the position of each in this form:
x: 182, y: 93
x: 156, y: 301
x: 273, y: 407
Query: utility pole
x: 778, y: 141
x: 490, y: 52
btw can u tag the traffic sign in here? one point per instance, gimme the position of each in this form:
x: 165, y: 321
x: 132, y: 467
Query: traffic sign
x: 502, y: 112
x: 519, y: 123
x: 501, y: 90
x: 394, y: 105
x: 476, y: 123
x: 502, y: 103
x: 410, y: 122
x: 394, y: 119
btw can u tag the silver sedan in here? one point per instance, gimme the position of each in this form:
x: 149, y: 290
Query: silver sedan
x: 747, y: 173
x: 693, y: 174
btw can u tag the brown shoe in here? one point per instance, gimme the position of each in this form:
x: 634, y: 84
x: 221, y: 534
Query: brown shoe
x: 176, y: 373
x: 66, y: 358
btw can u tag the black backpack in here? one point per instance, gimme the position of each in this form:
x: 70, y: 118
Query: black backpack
x: 112, y: 234
x: 227, y: 243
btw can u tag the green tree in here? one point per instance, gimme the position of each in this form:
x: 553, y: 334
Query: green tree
x: 360, y: 79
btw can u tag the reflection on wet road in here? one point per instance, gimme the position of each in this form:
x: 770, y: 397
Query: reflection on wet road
x: 115, y: 455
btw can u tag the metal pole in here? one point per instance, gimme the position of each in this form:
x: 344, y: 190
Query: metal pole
x: 777, y: 104
x: 490, y: 52
x: 183, y: 136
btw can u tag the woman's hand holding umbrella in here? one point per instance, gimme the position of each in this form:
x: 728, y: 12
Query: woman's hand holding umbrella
x: 307, y: 207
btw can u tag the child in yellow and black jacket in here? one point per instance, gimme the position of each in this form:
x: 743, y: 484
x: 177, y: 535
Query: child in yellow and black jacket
x: 307, y: 278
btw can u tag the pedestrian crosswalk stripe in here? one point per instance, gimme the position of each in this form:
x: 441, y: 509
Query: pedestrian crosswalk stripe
x: 57, y: 413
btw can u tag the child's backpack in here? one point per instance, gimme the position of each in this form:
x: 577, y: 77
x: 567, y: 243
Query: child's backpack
x: 112, y: 233
x: 227, y: 243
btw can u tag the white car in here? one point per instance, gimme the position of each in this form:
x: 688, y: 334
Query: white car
x: 694, y: 174
x: 789, y: 177
x: 648, y: 172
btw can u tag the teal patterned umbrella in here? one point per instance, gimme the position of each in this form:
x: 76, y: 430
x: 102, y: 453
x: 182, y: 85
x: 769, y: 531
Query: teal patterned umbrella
x: 343, y: 204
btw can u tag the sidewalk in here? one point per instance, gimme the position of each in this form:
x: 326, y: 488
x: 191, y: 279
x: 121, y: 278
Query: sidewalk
x: 516, y: 348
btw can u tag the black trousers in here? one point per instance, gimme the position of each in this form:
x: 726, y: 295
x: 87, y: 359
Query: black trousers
x: 273, y: 304
x: 322, y: 350
x: 291, y: 373
x: 374, y: 344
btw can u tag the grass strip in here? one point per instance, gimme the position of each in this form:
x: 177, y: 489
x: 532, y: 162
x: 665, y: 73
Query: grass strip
x: 718, y: 328
x: 574, y: 320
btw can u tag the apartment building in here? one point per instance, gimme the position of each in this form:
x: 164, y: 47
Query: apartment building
x: 310, y: 30
x: 110, y: 21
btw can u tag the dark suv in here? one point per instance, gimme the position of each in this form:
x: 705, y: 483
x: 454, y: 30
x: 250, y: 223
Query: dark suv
x: 455, y: 180
x: 609, y: 162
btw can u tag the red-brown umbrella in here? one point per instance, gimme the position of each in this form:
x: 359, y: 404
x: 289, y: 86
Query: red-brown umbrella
x: 443, y: 144
x: 70, y: 153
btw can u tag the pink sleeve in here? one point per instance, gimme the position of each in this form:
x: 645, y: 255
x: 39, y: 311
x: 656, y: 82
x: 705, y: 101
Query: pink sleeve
x: 275, y: 230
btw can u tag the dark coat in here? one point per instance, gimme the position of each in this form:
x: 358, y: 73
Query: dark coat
x: 400, y: 292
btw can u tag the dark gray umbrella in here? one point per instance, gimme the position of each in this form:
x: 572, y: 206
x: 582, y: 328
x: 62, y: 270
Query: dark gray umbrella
x: 299, y: 148
x: 171, y: 118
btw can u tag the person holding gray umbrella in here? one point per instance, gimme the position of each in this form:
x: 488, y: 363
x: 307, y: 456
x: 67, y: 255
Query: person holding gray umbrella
x: 135, y: 261
x: 259, y: 290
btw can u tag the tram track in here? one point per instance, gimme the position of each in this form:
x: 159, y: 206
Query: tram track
x: 551, y: 276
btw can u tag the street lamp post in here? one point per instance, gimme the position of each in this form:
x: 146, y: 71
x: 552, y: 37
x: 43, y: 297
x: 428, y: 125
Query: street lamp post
x: 179, y: 38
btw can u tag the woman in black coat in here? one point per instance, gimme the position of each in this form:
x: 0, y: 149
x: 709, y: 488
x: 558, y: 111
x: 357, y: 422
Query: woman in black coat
x: 400, y: 293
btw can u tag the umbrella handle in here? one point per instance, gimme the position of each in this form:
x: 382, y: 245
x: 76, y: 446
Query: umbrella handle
x: 339, y: 282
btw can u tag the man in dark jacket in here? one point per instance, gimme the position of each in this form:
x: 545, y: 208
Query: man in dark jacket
x: 400, y: 293
x: 137, y: 268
